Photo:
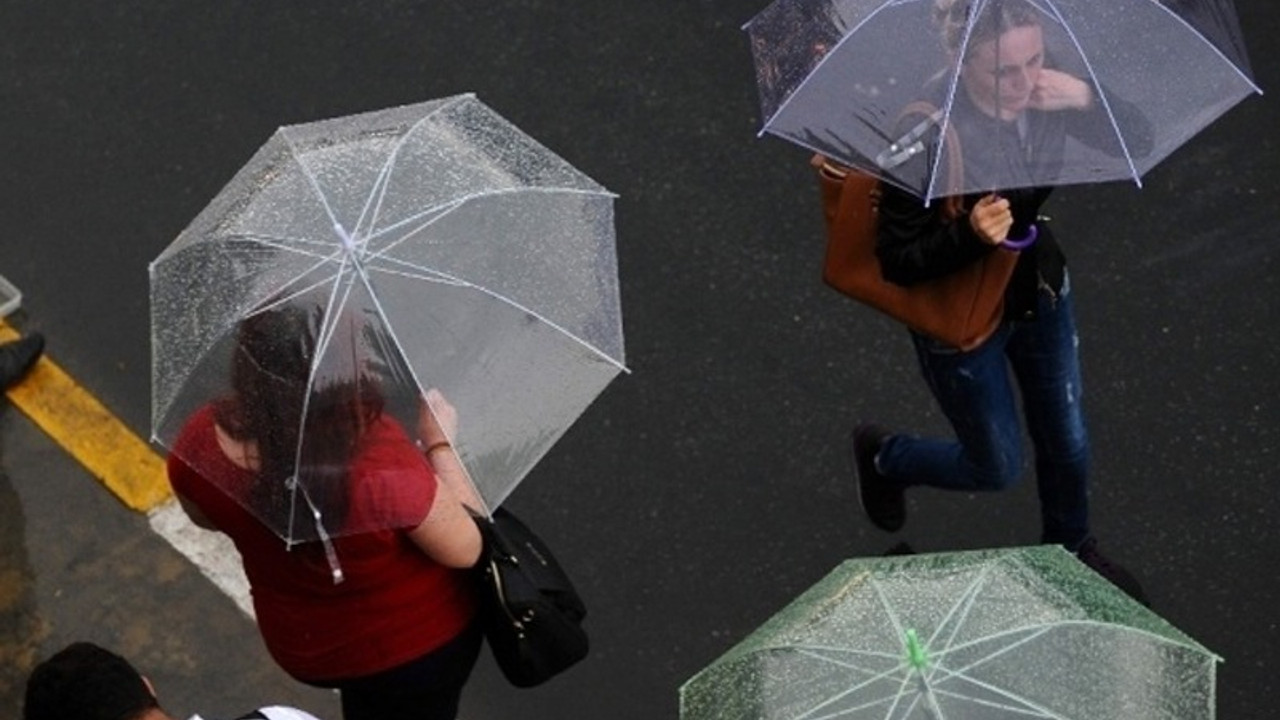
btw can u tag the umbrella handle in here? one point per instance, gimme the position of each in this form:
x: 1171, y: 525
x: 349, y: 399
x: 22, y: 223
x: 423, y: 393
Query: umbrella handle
x: 1023, y: 242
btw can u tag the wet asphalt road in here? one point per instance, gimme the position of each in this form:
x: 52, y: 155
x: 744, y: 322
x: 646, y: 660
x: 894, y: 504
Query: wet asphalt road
x: 710, y: 486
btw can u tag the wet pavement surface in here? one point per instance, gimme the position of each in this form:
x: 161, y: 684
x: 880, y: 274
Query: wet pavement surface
x: 710, y: 486
x: 75, y: 564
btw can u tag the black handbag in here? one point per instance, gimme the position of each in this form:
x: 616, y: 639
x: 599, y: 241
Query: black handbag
x: 531, y: 613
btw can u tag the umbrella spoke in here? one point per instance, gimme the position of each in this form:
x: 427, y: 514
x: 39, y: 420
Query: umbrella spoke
x: 282, y: 299
x: 898, y: 630
x: 315, y: 187
x: 1192, y: 29
x: 828, y: 702
x: 1100, y: 91
x: 326, y: 333
x: 540, y: 317
x: 427, y: 216
x: 294, y: 245
x: 816, y: 649
x: 390, y: 329
x: 384, y: 175
x: 966, y: 600
x: 416, y: 272
x: 1033, y: 632
x: 1043, y: 711
x: 444, y: 209
x: 1032, y: 712
x: 874, y: 674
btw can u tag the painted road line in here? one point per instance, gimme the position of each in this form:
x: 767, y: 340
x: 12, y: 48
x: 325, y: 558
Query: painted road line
x: 90, y: 433
x: 125, y: 465
x: 212, y: 552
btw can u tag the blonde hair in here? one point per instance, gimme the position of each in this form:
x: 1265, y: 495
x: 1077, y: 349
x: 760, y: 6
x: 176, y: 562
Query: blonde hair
x: 997, y: 18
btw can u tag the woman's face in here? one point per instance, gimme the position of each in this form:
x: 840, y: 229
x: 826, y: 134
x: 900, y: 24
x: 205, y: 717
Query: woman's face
x: 1000, y: 83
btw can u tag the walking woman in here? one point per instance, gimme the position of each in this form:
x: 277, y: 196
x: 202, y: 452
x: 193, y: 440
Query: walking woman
x: 396, y: 636
x: 1006, y: 94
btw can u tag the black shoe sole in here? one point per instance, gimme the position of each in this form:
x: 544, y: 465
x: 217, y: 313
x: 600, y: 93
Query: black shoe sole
x: 858, y: 481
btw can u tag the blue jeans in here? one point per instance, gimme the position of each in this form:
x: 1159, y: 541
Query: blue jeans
x: 975, y: 391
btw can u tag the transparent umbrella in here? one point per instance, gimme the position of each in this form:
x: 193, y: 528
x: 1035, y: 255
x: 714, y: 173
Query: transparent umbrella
x: 431, y: 246
x: 1109, y: 89
x: 997, y: 634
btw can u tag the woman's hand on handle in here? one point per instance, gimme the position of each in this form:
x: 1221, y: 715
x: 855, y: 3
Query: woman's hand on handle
x: 991, y: 219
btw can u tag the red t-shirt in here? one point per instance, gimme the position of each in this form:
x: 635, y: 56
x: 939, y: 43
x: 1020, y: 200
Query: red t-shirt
x: 395, y: 603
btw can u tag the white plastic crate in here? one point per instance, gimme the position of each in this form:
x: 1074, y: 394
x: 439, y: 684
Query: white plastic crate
x: 10, y: 297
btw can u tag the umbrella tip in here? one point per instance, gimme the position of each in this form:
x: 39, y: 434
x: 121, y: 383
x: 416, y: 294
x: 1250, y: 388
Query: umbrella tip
x: 345, y: 236
x: 916, y: 654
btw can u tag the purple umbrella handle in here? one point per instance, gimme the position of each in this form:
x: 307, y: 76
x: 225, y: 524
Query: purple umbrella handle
x: 1023, y: 242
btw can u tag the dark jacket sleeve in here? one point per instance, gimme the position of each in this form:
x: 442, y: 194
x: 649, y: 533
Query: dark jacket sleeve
x: 1094, y: 126
x: 914, y: 244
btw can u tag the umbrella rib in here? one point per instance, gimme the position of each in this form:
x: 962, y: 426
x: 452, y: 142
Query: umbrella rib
x: 992, y: 704
x: 1102, y: 95
x: 287, y: 244
x: 379, y: 189
x: 1035, y: 632
x: 391, y: 331
x: 1044, y: 711
x: 447, y: 207
x: 451, y: 279
x: 848, y: 651
x: 384, y: 176
x: 898, y: 633
x: 785, y: 103
x: 1195, y: 647
x: 967, y: 599
x: 876, y: 674
x: 296, y: 484
x: 1191, y: 28
x: 414, y: 272
x: 315, y: 186
x: 808, y: 714
x: 888, y: 609
x: 864, y: 706
x: 431, y: 215
x: 949, y: 103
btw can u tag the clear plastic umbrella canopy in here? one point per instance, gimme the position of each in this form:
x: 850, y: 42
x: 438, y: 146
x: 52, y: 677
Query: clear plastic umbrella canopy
x: 432, y: 246
x: 839, y: 77
x: 992, y: 635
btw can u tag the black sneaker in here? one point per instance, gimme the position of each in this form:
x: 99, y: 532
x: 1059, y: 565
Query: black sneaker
x: 1116, y: 574
x: 17, y: 357
x: 884, y: 503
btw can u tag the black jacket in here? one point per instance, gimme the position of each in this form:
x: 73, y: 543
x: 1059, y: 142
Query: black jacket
x: 915, y: 243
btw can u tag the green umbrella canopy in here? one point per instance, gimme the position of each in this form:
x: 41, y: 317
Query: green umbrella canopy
x: 1012, y: 633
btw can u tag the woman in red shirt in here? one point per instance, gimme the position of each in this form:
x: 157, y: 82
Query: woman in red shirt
x: 396, y: 634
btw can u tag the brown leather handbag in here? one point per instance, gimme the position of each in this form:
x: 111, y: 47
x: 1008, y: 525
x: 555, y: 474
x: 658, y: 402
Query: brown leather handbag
x: 962, y: 309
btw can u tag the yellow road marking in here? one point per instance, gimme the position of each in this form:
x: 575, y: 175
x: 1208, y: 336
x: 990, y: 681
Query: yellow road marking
x: 92, y: 434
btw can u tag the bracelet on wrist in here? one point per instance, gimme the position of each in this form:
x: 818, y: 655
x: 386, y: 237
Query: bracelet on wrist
x: 436, y: 446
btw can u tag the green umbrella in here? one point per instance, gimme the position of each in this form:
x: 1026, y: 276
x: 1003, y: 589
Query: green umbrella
x: 992, y: 634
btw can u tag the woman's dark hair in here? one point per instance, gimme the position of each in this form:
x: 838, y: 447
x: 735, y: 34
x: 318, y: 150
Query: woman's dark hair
x: 997, y: 18
x: 272, y: 386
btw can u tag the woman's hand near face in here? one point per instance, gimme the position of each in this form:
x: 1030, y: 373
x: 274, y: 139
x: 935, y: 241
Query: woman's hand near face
x: 991, y: 219
x: 1056, y: 90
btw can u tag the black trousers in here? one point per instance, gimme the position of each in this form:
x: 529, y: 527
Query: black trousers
x: 428, y: 688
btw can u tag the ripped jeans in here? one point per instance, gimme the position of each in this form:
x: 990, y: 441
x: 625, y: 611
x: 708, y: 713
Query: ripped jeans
x: 975, y: 391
